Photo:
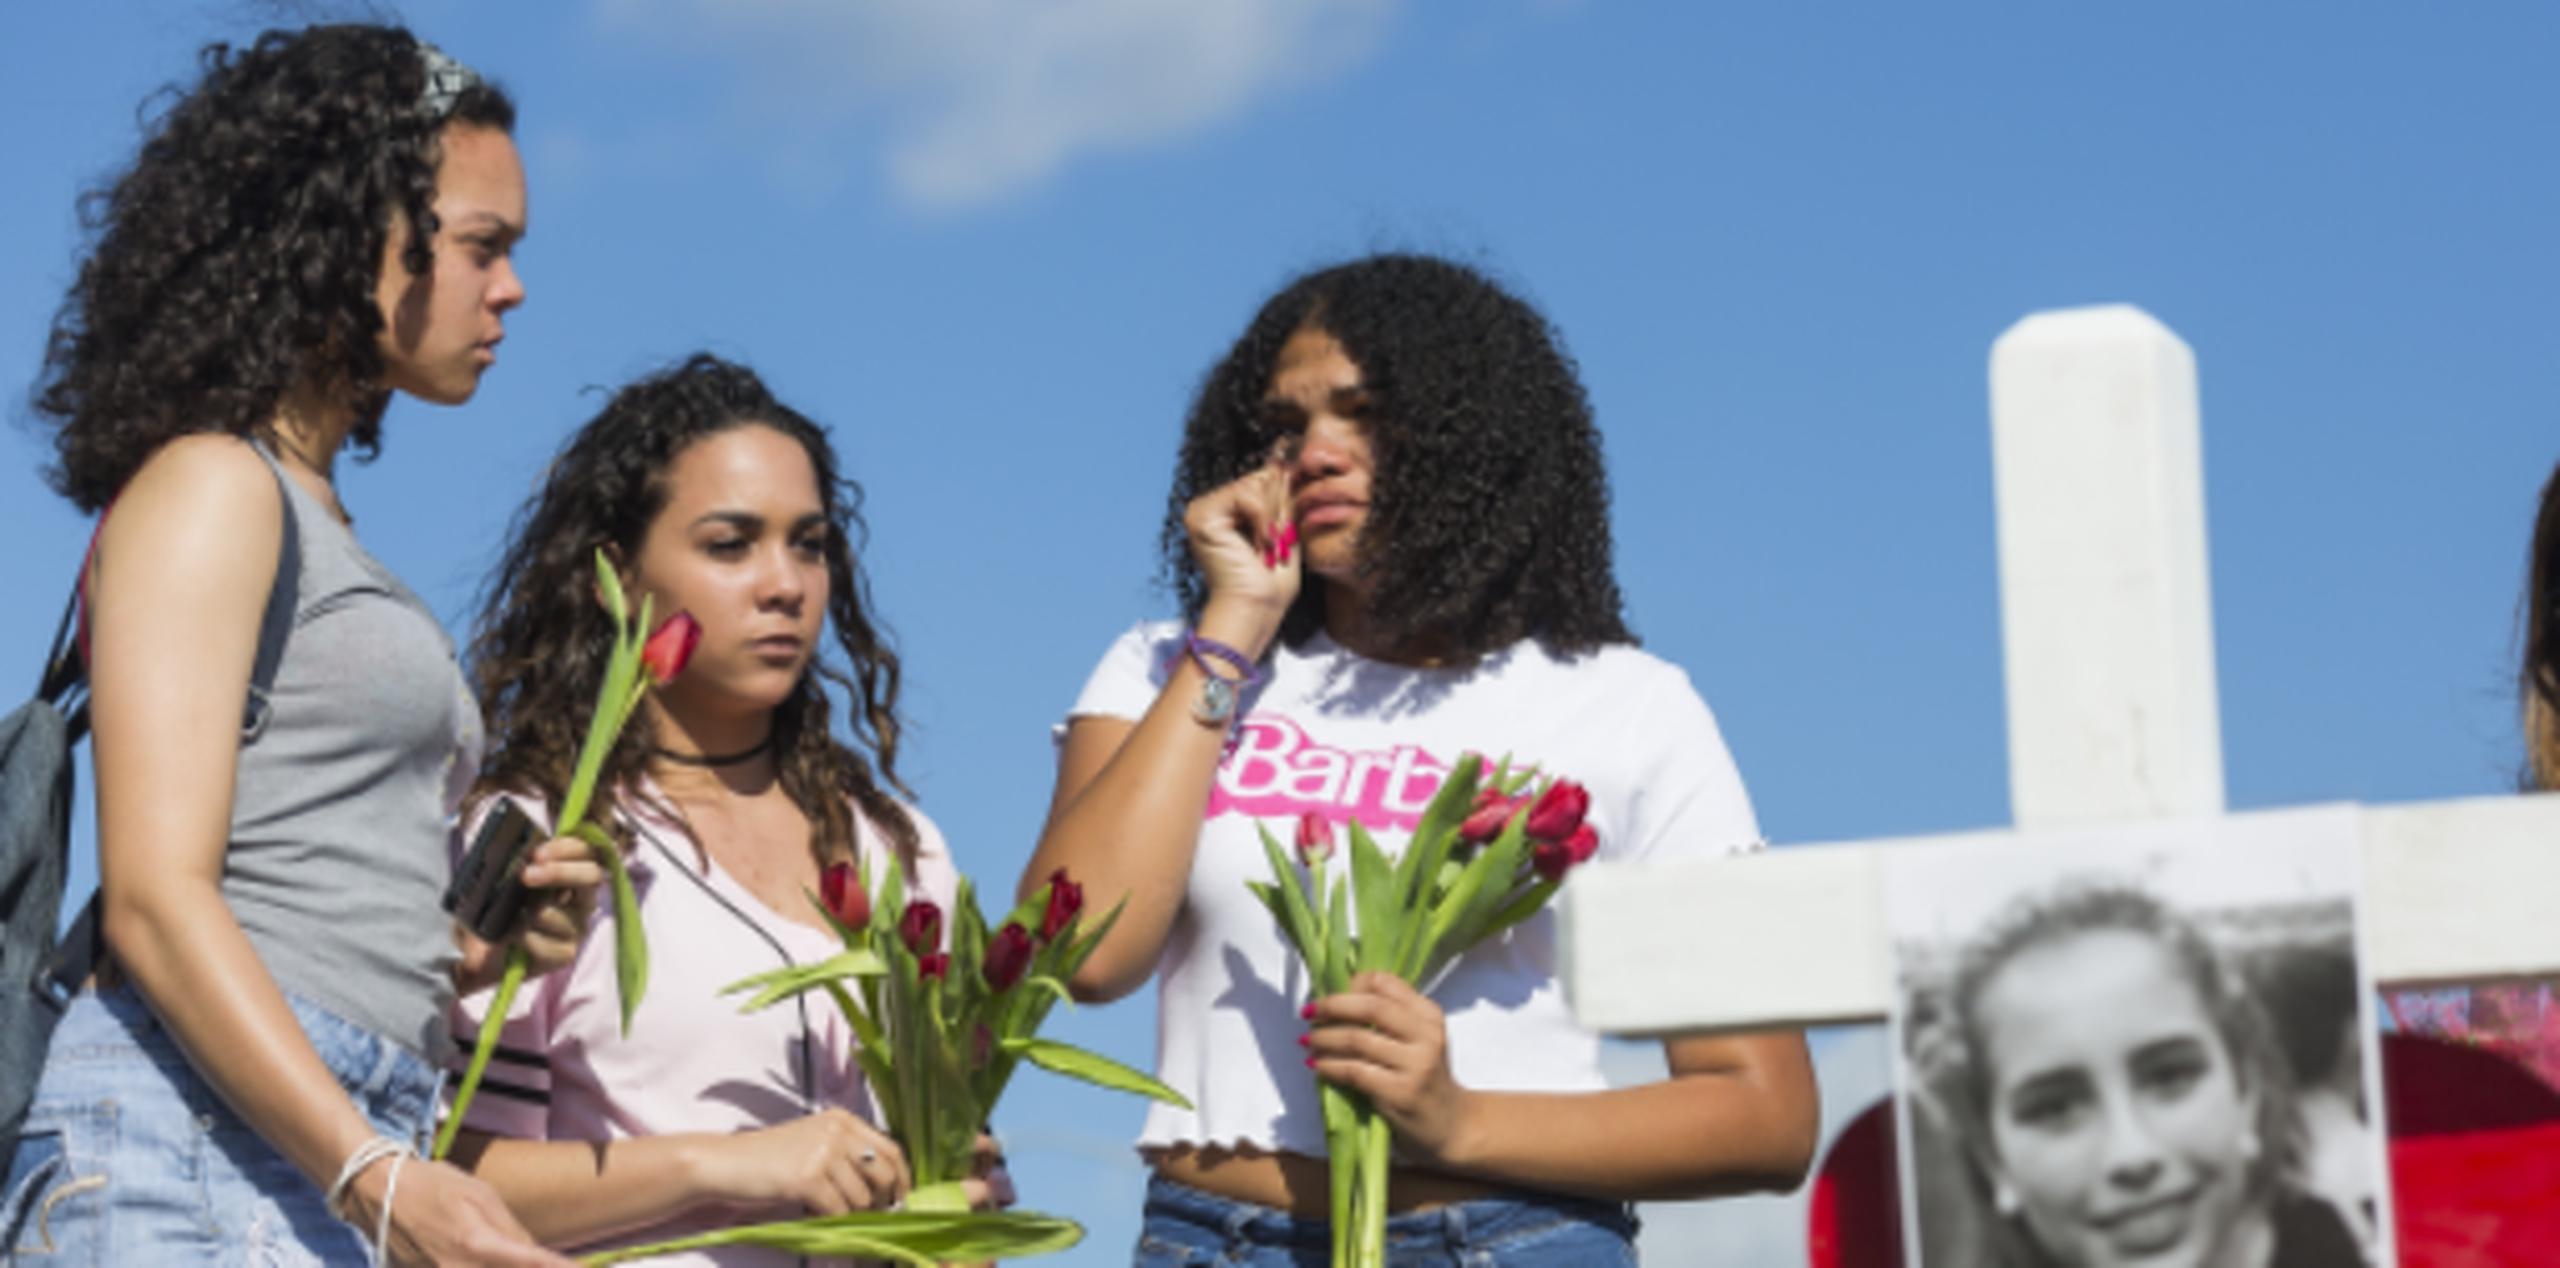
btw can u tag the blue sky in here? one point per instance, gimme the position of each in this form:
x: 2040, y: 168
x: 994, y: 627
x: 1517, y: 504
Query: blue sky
x: 994, y: 245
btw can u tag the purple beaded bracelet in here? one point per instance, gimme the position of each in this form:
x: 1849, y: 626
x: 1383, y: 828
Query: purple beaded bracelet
x: 1202, y: 649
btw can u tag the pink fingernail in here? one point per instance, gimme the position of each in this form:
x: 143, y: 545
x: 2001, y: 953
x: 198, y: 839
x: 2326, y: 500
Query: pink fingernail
x: 1311, y: 1063
x: 1308, y: 1013
x: 1306, y: 1041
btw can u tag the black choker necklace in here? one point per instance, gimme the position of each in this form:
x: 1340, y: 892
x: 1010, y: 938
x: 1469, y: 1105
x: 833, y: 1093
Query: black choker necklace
x: 716, y: 759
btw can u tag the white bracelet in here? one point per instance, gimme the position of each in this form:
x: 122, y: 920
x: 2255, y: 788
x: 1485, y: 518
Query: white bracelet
x: 382, y: 1222
x: 365, y: 1155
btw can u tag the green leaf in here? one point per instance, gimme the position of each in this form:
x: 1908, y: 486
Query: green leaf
x: 944, y: 1196
x: 630, y: 941
x: 1459, y: 921
x: 1050, y: 985
x: 1333, y: 972
x: 923, y: 1238
x: 1297, y: 921
x: 1092, y: 1067
x: 1085, y: 943
x: 790, y: 980
x: 1382, y: 917
x: 1520, y: 908
x: 614, y: 600
x: 1439, y: 822
x: 892, y: 904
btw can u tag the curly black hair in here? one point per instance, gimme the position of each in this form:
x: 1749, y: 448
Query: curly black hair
x: 239, y: 255
x: 539, y: 646
x: 1489, y: 507
x: 2538, y: 678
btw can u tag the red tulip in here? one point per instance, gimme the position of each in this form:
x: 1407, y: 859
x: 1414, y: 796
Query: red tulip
x: 1584, y: 843
x: 1066, y: 898
x: 1559, y: 811
x: 1553, y: 859
x: 1007, y: 956
x: 1484, y: 823
x: 921, y: 927
x: 840, y: 888
x: 932, y: 967
x: 666, y: 652
x: 1315, y: 838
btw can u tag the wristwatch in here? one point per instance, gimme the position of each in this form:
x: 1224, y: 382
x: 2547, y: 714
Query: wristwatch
x: 1217, y: 703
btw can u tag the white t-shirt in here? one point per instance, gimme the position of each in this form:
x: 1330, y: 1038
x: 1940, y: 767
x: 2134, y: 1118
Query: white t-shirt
x: 1334, y: 732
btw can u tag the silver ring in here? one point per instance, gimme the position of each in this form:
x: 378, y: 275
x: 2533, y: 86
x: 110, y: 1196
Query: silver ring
x: 868, y: 1157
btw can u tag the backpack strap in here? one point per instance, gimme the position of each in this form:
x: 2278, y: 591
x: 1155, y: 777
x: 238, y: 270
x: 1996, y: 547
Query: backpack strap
x: 78, y: 951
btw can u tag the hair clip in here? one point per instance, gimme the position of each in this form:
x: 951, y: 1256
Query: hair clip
x: 447, y: 80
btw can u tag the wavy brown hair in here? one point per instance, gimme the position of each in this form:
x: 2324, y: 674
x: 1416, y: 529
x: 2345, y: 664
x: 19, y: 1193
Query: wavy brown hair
x: 1489, y: 513
x: 539, y: 646
x: 2538, y: 680
x: 238, y: 257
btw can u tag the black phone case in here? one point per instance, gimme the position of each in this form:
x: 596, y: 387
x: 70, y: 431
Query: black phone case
x: 488, y: 894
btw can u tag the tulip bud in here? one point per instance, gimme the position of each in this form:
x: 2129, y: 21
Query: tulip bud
x: 1559, y: 811
x: 1066, y: 898
x: 921, y: 927
x: 840, y: 888
x: 931, y: 967
x: 1484, y: 823
x: 1553, y: 859
x: 1007, y: 956
x: 1315, y: 838
x: 666, y: 652
x: 1584, y: 843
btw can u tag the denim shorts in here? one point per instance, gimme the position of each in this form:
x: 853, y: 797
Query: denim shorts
x: 1186, y: 1226
x: 129, y: 1157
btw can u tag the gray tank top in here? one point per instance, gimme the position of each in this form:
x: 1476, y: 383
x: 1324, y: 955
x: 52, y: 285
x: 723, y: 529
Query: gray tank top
x: 339, y: 815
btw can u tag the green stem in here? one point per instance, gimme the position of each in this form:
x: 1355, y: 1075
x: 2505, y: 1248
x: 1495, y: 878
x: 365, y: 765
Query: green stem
x: 1374, y: 1140
x: 490, y: 1024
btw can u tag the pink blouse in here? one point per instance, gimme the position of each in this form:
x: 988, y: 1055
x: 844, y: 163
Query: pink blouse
x: 693, y: 1063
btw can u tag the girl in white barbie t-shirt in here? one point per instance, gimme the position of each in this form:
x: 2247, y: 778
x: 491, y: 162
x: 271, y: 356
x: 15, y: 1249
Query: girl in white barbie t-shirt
x: 1393, y: 547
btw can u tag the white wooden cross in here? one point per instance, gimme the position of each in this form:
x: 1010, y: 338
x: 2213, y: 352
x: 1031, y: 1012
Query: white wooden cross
x: 2106, y: 611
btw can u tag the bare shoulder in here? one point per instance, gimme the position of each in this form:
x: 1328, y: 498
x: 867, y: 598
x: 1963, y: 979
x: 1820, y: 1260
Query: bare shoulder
x: 195, y: 508
x: 199, y: 475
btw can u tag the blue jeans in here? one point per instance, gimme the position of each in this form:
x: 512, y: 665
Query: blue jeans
x: 1186, y: 1226
x: 129, y: 1157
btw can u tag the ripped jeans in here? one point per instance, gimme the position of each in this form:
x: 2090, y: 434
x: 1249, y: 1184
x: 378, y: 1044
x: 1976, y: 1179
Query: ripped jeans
x: 129, y: 1157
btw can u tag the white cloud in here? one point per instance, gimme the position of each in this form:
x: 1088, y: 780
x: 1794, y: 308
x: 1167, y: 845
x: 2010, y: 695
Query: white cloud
x: 978, y: 99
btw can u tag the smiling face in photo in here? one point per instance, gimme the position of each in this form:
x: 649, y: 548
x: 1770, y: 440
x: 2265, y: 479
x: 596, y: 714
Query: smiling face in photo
x: 2120, y: 1126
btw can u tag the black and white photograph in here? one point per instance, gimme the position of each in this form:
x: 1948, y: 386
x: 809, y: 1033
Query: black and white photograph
x: 2148, y: 1045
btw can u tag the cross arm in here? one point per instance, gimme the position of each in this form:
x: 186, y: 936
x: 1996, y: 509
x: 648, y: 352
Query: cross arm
x: 2453, y: 891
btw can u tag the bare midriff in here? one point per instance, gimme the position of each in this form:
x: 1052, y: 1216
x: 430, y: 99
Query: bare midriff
x: 1296, y: 1183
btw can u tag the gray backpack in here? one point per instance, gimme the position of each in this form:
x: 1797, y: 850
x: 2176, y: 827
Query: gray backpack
x: 39, y: 973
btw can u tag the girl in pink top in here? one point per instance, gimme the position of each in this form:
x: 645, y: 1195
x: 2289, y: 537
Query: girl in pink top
x: 731, y: 793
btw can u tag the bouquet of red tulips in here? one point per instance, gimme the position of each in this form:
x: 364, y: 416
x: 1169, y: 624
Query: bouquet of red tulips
x: 941, y: 1024
x: 1488, y: 852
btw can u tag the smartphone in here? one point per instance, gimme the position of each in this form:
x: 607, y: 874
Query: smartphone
x: 487, y: 894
